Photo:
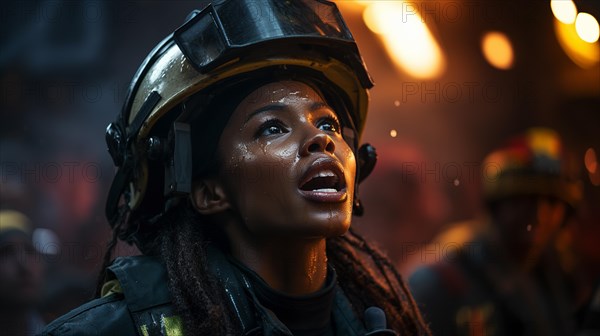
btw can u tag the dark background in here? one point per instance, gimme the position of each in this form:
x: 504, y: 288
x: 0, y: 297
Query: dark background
x: 65, y: 67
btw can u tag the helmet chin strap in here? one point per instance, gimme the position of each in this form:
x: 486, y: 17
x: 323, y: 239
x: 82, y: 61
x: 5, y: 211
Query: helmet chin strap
x: 367, y: 158
x: 119, y: 140
x: 178, y: 171
x: 357, y: 208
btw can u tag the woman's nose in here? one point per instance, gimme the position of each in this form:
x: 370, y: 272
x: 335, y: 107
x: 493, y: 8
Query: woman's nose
x: 318, y: 142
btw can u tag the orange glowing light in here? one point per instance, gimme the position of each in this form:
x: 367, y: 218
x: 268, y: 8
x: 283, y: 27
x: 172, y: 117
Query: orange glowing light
x: 590, y: 160
x: 582, y: 53
x: 497, y: 50
x: 407, y: 39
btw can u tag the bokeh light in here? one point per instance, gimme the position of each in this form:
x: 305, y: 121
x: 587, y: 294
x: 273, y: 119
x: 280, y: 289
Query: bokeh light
x: 590, y: 160
x: 399, y: 25
x: 587, y: 27
x: 564, y: 11
x: 582, y: 53
x: 497, y: 49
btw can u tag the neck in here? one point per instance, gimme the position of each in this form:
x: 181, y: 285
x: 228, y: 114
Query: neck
x: 292, y: 266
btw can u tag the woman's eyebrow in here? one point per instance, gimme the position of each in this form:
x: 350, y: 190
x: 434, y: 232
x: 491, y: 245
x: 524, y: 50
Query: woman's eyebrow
x: 282, y: 107
x: 270, y: 107
x: 319, y: 105
x: 323, y: 106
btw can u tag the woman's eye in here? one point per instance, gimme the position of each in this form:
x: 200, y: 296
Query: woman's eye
x: 329, y: 125
x: 271, y: 128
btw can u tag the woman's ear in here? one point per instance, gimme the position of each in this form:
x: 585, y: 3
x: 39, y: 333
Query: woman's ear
x: 208, y: 197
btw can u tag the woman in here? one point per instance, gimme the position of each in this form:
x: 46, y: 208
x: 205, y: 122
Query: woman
x: 238, y: 165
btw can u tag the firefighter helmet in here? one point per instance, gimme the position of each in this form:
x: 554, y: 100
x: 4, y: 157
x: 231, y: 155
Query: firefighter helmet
x: 533, y: 163
x: 150, y: 142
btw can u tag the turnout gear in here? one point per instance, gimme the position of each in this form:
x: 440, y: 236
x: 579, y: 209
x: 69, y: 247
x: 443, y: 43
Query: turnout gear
x: 136, y: 301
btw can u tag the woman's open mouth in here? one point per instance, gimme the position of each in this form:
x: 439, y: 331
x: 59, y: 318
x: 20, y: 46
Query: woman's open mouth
x: 324, y: 181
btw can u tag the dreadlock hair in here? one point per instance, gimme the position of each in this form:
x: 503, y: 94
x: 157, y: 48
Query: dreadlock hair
x: 365, y: 275
x: 354, y: 261
x: 196, y: 295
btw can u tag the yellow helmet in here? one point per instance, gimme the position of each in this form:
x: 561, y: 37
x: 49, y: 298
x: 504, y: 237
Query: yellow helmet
x: 532, y: 163
x: 227, y: 39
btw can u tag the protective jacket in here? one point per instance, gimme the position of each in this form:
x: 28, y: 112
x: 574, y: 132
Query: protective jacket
x: 139, y: 303
x: 479, y: 291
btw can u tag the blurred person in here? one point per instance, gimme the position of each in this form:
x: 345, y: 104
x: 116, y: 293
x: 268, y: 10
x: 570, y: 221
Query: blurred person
x: 507, y: 279
x: 239, y: 159
x: 20, y: 276
x: 405, y: 210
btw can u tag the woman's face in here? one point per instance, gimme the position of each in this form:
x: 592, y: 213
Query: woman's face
x: 285, y: 168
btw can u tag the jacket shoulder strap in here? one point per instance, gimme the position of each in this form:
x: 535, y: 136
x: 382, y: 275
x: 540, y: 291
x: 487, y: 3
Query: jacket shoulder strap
x: 143, y: 282
x: 236, y: 289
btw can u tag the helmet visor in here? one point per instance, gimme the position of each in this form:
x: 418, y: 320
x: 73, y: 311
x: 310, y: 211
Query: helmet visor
x: 228, y: 29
